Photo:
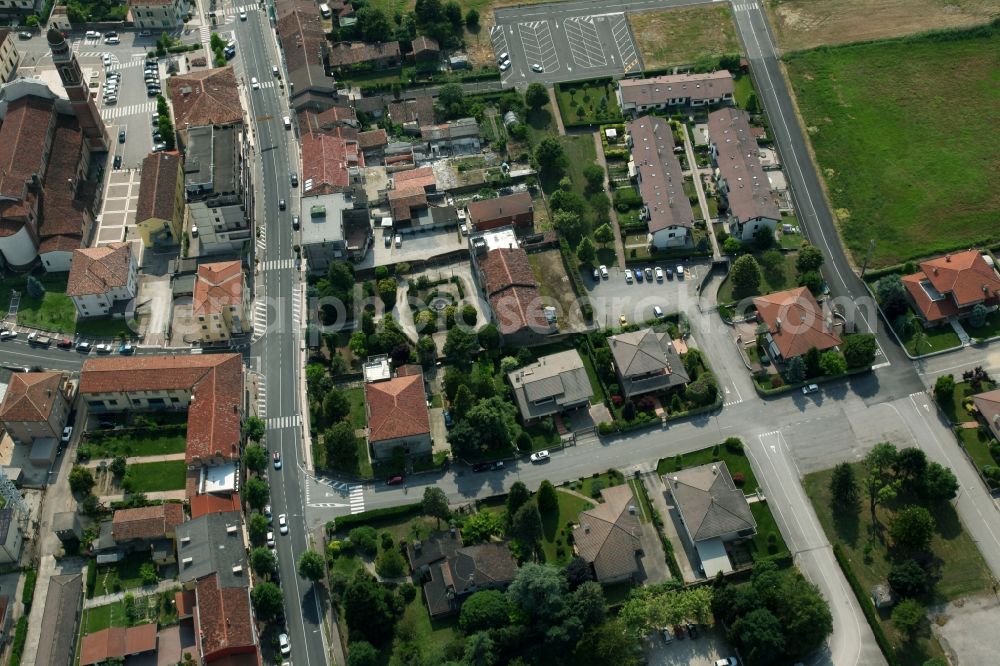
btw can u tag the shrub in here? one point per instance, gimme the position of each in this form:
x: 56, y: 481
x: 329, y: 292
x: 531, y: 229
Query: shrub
x: 739, y: 479
x: 776, y: 381
x: 734, y: 444
x: 363, y: 538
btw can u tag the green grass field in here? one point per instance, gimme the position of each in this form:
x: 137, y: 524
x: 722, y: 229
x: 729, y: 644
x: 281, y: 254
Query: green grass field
x: 554, y: 530
x: 587, y: 103
x: 759, y: 546
x: 903, y: 133
x: 146, y: 444
x: 785, y: 277
x: 156, y: 476
x: 356, y: 396
x: 121, y: 575
x: 936, y: 338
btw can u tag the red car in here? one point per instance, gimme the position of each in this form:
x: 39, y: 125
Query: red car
x: 65, y: 343
x: 394, y: 480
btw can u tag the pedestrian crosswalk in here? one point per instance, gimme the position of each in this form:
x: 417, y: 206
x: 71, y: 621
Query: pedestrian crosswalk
x: 261, y: 396
x: 117, y: 66
x: 745, y: 6
x: 277, y: 264
x: 260, y: 316
x: 113, y: 112
x: 357, y: 499
x: 205, y: 33
x: 279, y: 422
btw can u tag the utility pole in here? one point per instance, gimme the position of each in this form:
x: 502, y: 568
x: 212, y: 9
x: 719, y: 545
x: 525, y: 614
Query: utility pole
x: 868, y: 255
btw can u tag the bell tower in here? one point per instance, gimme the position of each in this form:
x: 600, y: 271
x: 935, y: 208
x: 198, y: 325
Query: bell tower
x: 85, y: 109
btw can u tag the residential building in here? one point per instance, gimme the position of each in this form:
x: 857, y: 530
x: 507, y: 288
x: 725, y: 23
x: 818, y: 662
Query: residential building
x: 221, y: 301
x: 952, y: 285
x: 162, y: 381
x: 327, y: 163
x: 647, y: 361
x: 333, y: 229
x: 379, y: 55
x: 412, y: 113
x: 102, y: 280
x: 149, y: 528
x: 59, y: 629
x: 743, y: 187
x: 988, y: 404
x: 373, y: 142
x: 304, y: 45
x: 509, y: 285
x: 11, y: 538
x: 795, y: 324
x: 10, y: 9
x: 205, y: 97
x: 455, y: 136
x: 117, y: 643
x: 329, y: 121
x: 551, y: 385
x: 452, y: 571
x: 159, y: 15
x: 159, y: 215
x: 713, y: 512
x: 425, y: 49
x: 212, y: 545
x: 35, y: 406
x: 225, y: 628
x: 672, y: 90
x: 608, y: 536
x: 397, y: 415
x: 515, y: 209
x: 218, y: 191
x: 656, y: 170
x: 9, y: 56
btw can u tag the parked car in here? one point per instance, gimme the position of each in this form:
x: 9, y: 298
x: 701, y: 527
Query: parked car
x: 495, y: 465
x: 65, y: 343
x: 121, y: 136
x: 480, y: 467
x: 728, y: 661
x: 24, y: 34
x: 811, y: 388
x: 597, y: 275
x: 394, y: 480
x: 276, y: 72
x: 448, y: 420
x: 283, y: 523
x: 658, y: 312
x: 7, y: 334
x: 649, y: 273
x: 112, y: 40
x: 254, y: 83
x: 539, y: 456
x: 668, y: 638
x: 659, y: 274
x: 267, y: 512
x: 295, y: 222
x: 93, y: 34
x: 270, y: 539
x: 103, y: 348
x: 505, y: 65
x: 277, y: 460
x: 628, y: 276
x: 67, y: 434
x: 536, y: 68
x: 284, y: 645
x: 692, y: 630
x: 399, y: 240
x: 294, y: 178
x: 670, y: 273
x: 126, y: 349
x: 622, y: 319
x: 604, y: 271
x: 680, y: 272
x: 83, y: 347
x: 503, y: 56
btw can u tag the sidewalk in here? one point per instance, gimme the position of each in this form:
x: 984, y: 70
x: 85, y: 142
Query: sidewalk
x: 162, y: 586
x: 555, y: 111
x: 702, y: 202
x: 135, y: 460
x: 655, y: 490
x: 161, y: 495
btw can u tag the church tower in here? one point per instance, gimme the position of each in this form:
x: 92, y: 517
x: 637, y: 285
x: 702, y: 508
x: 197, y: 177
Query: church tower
x: 85, y: 109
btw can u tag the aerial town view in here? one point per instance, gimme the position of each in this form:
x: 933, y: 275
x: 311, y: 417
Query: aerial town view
x: 499, y: 332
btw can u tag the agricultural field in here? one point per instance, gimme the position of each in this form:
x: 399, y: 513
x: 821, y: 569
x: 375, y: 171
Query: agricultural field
x: 670, y: 37
x: 899, y: 130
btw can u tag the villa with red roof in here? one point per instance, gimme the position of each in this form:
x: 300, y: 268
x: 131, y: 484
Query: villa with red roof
x: 795, y: 323
x: 397, y: 415
x: 952, y: 285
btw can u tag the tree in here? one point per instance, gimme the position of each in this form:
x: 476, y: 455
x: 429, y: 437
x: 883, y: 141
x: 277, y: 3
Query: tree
x: 844, y: 494
x: 364, y: 540
x: 472, y: 19
x: 336, y: 406
x: 481, y: 526
x: 387, y: 292
x: 462, y: 403
x: 367, y: 323
x: 480, y: 650
x: 594, y: 175
x: 257, y: 528
x: 267, y: 601
x: 910, y: 464
x: 486, y: 609
x: 538, y: 592
x: 939, y: 483
x: 811, y: 358
x: 547, y: 500
x: 568, y: 201
x: 549, y: 154
x: 587, y: 604
x: 804, y: 614
x: 977, y: 317
x: 390, y: 564
x: 426, y: 350
x: 813, y: 282
x: 745, y: 275
x: 891, y: 295
x: 832, y: 363
x: 860, y: 349
x: 759, y: 636
x: 311, y: 566
x: 262, y: 561
x: 912, y: 528
x: 604, y: 234
x: 460, y: 345
x: 586, y: 252
x: 796, y: 370
x: 254, y: 427
x: 341, y: 447
x: 488, y: 426
x: 362, y: 653
x: 255, y: 457
x: 451, y: 97
x: 879, y: 483
x: 763, y: 238
x: 536, y: 96
x: 147, y: 573
x: 908, y: 616
x: 809, y: 260
x: 516, y: 497
x: 435, y: 504
x: 526, y: 526
x: 607, y: 644
x: 257, y: 492
x: 118, y: 466
x: 358, y: 344
x: 570, y: 224
x: 577, y: 572
x: 373, y: 24
x: 369, y: 609
x: 81, y: 480
x: 944, y: 390
x: 489, y: 337
x: 732, y: 245
x: 908, y: 579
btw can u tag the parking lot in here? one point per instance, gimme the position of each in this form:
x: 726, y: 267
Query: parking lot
x: 614, y: 297
x: 568, y: 42
x: 415, y: 246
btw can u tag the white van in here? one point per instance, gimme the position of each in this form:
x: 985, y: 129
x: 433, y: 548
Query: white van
x: 288, y: 122
x: 324, y: 9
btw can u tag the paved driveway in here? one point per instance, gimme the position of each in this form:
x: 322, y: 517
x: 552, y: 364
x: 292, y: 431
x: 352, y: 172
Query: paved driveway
x: 415, y: 247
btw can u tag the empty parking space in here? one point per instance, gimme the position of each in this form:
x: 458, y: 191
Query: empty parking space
x: 537, y: 45
x: 623, y: 40
x: 584, y: 42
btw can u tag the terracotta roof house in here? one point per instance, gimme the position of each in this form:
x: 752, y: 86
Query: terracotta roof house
x: 159, y: 212
x: 412, y: 113
x: 35, y: 406
x: 378, y: 55
x: 647, y: 361
x: 326, y: 161
x: 224, y: 621
x: 988, y: 404
x: 373, y: 140
x: 511, y: 209
x: 151, y: 528
x: 397, y: 416
x: 102, y: 279
x: 551, y: 385
x: 303, y: 42
x: 405, y: 204
x: 795, y: 323
x: 221, y: 301
x: 60, y: 620
x: 421, y: 178
x: 660, y: 92
x: 608, y: 536
x: 206, y: 97
x: 657, y: 171
x: 209, y: 385
x: 713, y: 511
x: 117, y: 643
x: 516, y: 305
x: 425, y: 49
x: 951, y: 285
x: 329, y: 119
x: 740, y: 178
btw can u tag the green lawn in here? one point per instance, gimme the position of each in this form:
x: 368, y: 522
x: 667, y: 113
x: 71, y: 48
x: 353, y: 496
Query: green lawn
x: 156, y: 476
x: 742, y: 89
x: 580, y: 152
x: 101, y: 617
x: 956, y: 411
x: 592, y: 485
x: 432, y: 635
x: 541, y: 438
x: 555, y: 544
x: 990, y: 329
x: 784, y: 277
x: 639, y: 490
x: 978, y: 446
x: 121, y: 575
x: 129, y: 445
x: 588, y: 102
x: 54, y: 311
x: 898, y: 182
x: 541, y: 124
x: 736, y: 462
x: 100, y: 327
x: 356, y: 396
x: 595, y: 383
x: 937, y: 338
x: 759, y: 545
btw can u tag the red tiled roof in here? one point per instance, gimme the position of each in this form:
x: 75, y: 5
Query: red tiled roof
x: 184, y: 603
x: 987, y: 403
x: 933, y: 309
x: 97, y: 270
x: 117, y: 642
x: 518, y: 308
x: 403, y: 201
x: 373, y: 139
x: 422, y: 178
x: 507, y: 267
x: 796, y: 322
x: 509, y: 206
x: 964, y: 275
x: 208, y: 97
x: 223, y: 618
x: 23, y: 143
x: 420, y: 110
x: 30, y: 396
x: 325, y: 160
x: 149, y: 522
x: 214, y: 415
x: 158, y: 187
x: 397, y: 408
x: 352, y: 53
x: 217, y: 287
x: 63, y: 211
x: 212, y: 503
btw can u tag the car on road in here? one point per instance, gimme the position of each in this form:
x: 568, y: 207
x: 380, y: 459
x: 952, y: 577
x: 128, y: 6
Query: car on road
x: 659, y: 274
x: 283, y: 523
x: 811, y: 388
x: 24, y: 34
x: 103, y: 348
x: 65, y: 343
x: 395, y: 480
x: 126, y: 349
x: 270, y: 539
x: 496, y: 464
x: 628, y: 276
x: 448, y: 420
x: 83, y: 347
x: 276, y: 72
x: 112, y: 40
x: 93, y: 34
x: 277, y: 460
x: 604, y: 271
x: 121, y: 136
x: 539, y: 456
x: 294, y: 179
x: 7, y: 334
x: 680, y: 272
x: 658, y: 312
x: 67, y: 434
x: 145, y: 33
x: 281, y: 204
x: 464, y: 229
x: 480, y: 467
x: 106, y: 59
x: 254, y: 83
x: 109, y: 34
x: 284, y: 645
x: 536, y: 68
x: 295, y: 222
x: 243, y: 15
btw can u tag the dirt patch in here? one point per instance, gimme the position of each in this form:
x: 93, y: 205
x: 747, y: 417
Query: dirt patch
x: 669, y: 37
x: 803, y: 24
x: 555, y: 288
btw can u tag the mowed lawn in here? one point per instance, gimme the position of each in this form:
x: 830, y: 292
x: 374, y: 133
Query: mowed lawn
x: 156, y: 476
x: 904, y: 133
x: 684, y: 36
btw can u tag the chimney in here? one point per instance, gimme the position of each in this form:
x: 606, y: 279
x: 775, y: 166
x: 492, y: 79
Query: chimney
x: 947, y: 258
x: 777, y: 324
x: 586, y: 528
x: 715, y: 470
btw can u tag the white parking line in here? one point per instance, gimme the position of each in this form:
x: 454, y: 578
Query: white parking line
x: 623, y: 40
x: 536, y: 40
x: 584, y: 42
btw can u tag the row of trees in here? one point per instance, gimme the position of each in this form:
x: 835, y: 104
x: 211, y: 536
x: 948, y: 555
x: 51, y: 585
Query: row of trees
x: 748, y: 273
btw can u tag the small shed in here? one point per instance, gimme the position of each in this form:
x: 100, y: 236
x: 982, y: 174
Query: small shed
x: 509, y: 119
x: 882, y: 596
x: 459, y: 61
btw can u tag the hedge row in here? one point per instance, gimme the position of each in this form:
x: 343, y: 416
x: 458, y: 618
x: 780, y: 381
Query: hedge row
x: 785, y: 388
x: 91, y: 577
x: 376, y: 515
x: 668, y: 547
x: 28, y: 592
x: 20, y: 636
x: 570, y: 263
x: 866, y: 606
